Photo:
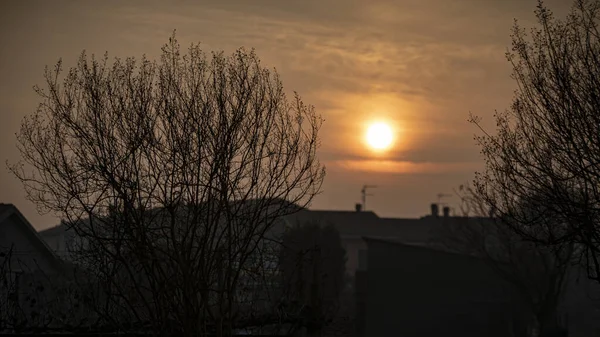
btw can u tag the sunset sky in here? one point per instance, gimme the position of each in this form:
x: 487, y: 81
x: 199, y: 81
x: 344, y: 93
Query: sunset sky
x: 419, y: 65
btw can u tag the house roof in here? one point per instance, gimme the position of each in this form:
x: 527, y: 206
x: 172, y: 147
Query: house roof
x: 418, y: 246
x: 359, y: 224
x: 247, y: 208
x: 347, y: 222
x: 58, y: 229
x: 410, y: 230
x: 9, y: 210
x: 4, y: 207
x: 353, y: 224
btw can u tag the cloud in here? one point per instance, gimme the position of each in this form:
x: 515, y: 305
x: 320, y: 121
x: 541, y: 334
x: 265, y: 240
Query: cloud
x: 403, y: 167
x: 403, y: 47
x: 421, y: 64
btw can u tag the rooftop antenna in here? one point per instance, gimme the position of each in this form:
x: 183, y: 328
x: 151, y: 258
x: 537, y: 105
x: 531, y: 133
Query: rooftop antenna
x: 440, y: 196
x: 365, y: 194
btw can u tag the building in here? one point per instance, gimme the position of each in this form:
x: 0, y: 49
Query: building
x: 28, y: 271
x: 409, y: 290
x: 355, y: 225
x: 28, y: 251
x: 402, y: 268
x: 159, y: 234
x: 56, y: 238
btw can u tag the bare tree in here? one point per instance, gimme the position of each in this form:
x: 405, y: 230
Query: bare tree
x: 546, y: 149
x: 312, y: 264
x: 32, y: 300
x: 8, y: 301
x: 297, y: 285
x: 170, y: 173
x: 537, y: 273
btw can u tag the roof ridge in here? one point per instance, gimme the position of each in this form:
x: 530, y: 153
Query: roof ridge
x: 13, y: 210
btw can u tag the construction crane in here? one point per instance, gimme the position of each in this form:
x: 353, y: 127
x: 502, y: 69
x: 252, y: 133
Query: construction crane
x: 365, y: 194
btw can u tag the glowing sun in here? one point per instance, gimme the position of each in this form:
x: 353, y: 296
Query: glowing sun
x: 379, y: 136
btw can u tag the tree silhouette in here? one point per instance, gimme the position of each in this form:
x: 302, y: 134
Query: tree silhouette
x: 546, y: 150
x: 170, y: 172
x: 537, y: 273
x: 312, y: 265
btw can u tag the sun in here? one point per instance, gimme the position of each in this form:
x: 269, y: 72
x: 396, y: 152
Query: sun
x: 379, y: 136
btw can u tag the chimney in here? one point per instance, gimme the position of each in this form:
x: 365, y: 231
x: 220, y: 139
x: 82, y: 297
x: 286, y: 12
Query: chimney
x: 446, y: 211
x: 435, y: 210
x: 358, y: 207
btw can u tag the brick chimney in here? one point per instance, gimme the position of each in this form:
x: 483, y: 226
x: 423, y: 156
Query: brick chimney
x: 446, y: 211
x: 435, y: 211
x: 358, y: 207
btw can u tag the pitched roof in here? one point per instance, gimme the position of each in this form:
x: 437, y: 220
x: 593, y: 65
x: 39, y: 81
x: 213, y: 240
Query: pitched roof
x: 410, y: 230
x: 58, y: 229
x: 417, y: 246
x: 8, y: 210
x: 251, y: 207
x: 4, y: 208
x: 347, y: 222
x: 359, y: 224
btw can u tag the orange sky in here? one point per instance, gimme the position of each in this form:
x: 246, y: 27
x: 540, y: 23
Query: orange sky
x: 423, y: 65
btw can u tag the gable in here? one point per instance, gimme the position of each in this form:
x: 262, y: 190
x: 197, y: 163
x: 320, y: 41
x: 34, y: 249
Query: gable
x: 29, y: 252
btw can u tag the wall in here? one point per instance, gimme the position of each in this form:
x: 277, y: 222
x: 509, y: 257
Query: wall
x: 414, y: 291
x: 27, y: 254
x: 31, y: 273
x: 582, y: 305
x: 353, y: 245
x: 62, y: 242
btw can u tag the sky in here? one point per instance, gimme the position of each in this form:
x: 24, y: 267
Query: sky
x: 421, y: 65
